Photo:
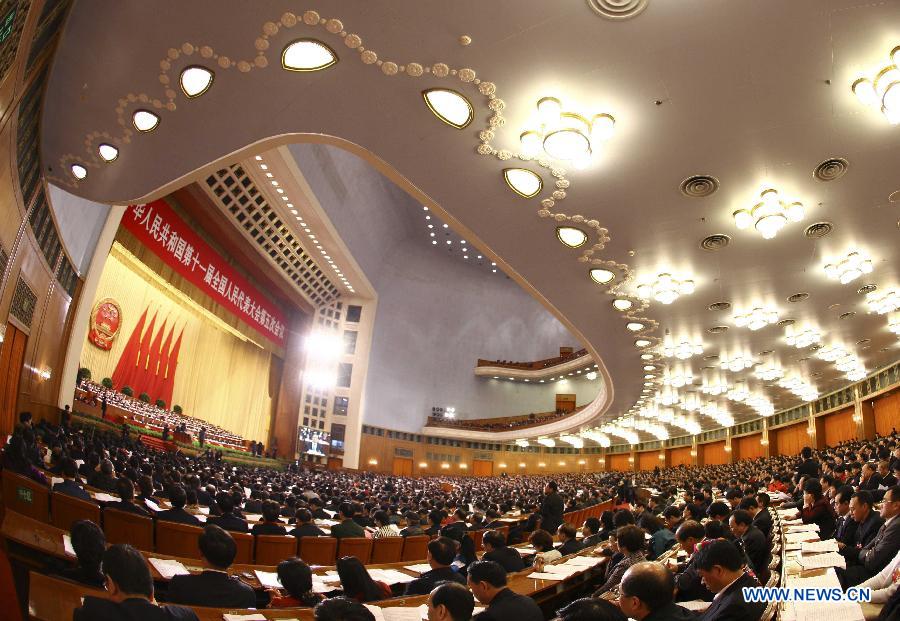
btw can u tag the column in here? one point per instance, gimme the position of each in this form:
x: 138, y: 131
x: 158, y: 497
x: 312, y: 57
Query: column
x: 287, y: 408
x: 863, y: 416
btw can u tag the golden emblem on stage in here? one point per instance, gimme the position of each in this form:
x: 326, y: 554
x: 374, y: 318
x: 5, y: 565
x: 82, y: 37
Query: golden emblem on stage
x: 106, y: 319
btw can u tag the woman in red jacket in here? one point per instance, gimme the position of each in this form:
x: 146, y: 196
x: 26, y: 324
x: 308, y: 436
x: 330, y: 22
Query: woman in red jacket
x: 817, y: 509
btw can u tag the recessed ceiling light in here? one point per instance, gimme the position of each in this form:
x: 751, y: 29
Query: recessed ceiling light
x: 635, y: 326
x: 523, y: 182
x: 621, y: 304
x: 571, y: 236
x: 307, y: 55
x: 649, y: 367
x: 144, y: 120
x: 641, y: 343
x: 196, y: 80
x: 646, y: 356
x: 449, y: 106
x: 108, y: 153
x: 602, y: 276
x: 79, y: 171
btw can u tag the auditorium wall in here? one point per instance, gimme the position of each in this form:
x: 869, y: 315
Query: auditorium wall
x: 437, y: 313
x: 680, y: 456
x: 220, y: 377
x: 748, y: 447
x: 887, y: 412
x: 838, y: 427
x: 789, y: 440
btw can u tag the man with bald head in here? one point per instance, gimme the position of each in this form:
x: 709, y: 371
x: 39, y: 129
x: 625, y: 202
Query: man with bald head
x: 646, y: 594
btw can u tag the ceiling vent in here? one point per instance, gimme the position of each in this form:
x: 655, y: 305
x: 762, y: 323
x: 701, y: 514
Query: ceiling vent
x: 715, y: 242
x: 699, y: 186
x: 831, y: 169
x: 798, y: 297
x: 863, y: 341
x: 818, y: 230
x: 719, y: 306
x: 717, y: 329
x: 786, y: 322
x: 766, y: 352
x: 847, y: 315
x: 711, y: 357
x: 866, y: 289
x: 617, y: 9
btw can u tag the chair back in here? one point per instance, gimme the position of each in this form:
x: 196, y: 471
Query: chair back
x: 505, y: 531
x: 272, y: 549
x: 318, y: 550
x: 477, y: 536
x: 387, y: 550
x: 415, y: 548
x: 50, y: 598
x: 8, y: 589
x: 66, y: 510
x: 360, y: 547
x: 25, y: 496
x: 177, y: 539
x: 244, y: 543
x: 125, y: 527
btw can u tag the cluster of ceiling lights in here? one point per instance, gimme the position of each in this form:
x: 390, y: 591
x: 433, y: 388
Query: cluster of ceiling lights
x: 196, y: 80
x: 664, y: 288
x: 736, y: 362
x: 756, y: 318
x: 894, y: 323
x: 279, y: 189
x: 769, y: 372
x: 844, y: 360
x: 883, y: 91
x: 801, y: 338
x: 769, y: 215
x: 799, y: 387
x: 883, y: 302
x: 682, y: 349
x: 851, y: 267
x: 677, y: 378
x: 565, y: 135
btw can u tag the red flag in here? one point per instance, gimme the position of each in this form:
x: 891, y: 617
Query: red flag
x: 158, y: 379
x: 171, y: 365
x: 153, y: 360
x: 140, y: 373
x: 128, y: 360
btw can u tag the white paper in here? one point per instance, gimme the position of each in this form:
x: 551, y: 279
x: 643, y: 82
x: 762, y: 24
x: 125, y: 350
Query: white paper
x: 152, y: 505
x: 168, y: 568
x: 55, y: 480
x: 67, y: 544
x: 253, y: 517
x: 202, y: 518
x: 813, y: 547
x: 818, y: 561
x: 697, y: 605
x: 526, y: 550
x: 376, y: 611
x: 800, y: 537
x: 269, y: 579
x: 254, y: 616
x: 419, y: 569
x: 539, y: 575
x: 78, y: 462
x: 584, y: 561
x: 402, y: 613
x: 328, y: 576
x: 390, y: 576
x: 330, y: 513
x: 799, y: 528
x: 104, y: 497
x: 247, y: 492
x: 203, y: 510
x: 563, y: 570
x: 323, y: 587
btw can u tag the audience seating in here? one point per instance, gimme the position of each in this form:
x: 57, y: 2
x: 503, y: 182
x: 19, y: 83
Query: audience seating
x: 387, y: 550
x: 318, y: 550
x: 11, y: 611
x: 477, y: 536
x: 244, y: 543
x: 178, y: 539
x: 415, y: 548
x: 124, y: 527
x: 360, y: 547
x: 65, y: 510
x: 272, y: 549
x: 25, y: 496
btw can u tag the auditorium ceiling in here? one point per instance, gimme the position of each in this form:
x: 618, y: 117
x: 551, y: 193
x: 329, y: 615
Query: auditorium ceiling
x: 691, y: 111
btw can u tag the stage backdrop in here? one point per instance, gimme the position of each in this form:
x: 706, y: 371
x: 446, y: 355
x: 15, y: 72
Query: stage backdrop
x: 220, y: 377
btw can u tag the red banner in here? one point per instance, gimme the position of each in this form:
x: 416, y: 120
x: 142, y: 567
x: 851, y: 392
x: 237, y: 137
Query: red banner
x: 159, y: 228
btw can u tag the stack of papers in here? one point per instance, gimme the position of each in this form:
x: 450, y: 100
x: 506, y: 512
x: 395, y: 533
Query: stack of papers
x: 268, y: 579
x: 253, y: 517
x: 390, y: 576
x: 584, y: 561
x: 526, y: 550
x: 421, y: 568
x: 801, y: 536
x: 152, y: 505
x: 398, y: 613
x: 543, y: 575
x: 253, y: 616
x: 815, y: 547
x: 203, y: 510
x: 563, y: 570
x: 104, y: 497
x: 67, y: 545
x: 797, y: 528
x: 697, y: 605
x: 818, y: 561
x: 168, y: 568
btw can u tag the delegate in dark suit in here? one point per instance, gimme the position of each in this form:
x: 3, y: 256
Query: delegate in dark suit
x: 758, y: 551
x: 763, y: 521
x: 427, y: 581
x: 506, y: 557
x: 229, y: 522
x: 845, y: 530
x: 689, y: 584
x: 348, y: 528
x: 71, y: 488
x: 863, y: 534
x: 211, y: 588
x: 551, y: 512
x: 307, y: 530
x: 507, y: 605
x: 874, y: 556
x: 179, y: 516
x: 729, y: 605
x: 134, y: 608
x: 570, y: 547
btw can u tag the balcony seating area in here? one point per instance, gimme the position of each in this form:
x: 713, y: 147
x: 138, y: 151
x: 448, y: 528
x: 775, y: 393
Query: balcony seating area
x: 536, y: 365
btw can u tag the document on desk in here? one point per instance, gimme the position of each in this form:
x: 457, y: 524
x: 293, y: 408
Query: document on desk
x: 563, y: 569
x: 269, y: 579
x: 390, y: 576
x: 800, y: 537
x: 697, y: 605
x: 797, y: 528
x: 818, y: 561
x: 540, y: 575
x: 254, y: 616
x: 584, y: 561
x: 816, y: 547
x: 151, y: 505
x: 421, y: 568
x: 526, y: 550
x: 168, y: 568
x: 104, y: 497
x: 67, y: 544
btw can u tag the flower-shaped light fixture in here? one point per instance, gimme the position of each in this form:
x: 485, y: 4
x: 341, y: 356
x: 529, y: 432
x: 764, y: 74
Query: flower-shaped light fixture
x: 664, y: 288
x: 682, y: 349
x: 737, y: 362
x: 668, y: 397
x: 522, y: 443
x: 883, y: 301
x: 882, y: 92
x: 851, y: 366
x: 801, y: 338
x: 851, y: 267
x: 799, y: 387
x: 769, y: 215
x: 449, y: 106
x: 756, y: 318
x: 565, y: 135
x: 571, y: 237
x: 548, y: 442
x: 714, y: 385
x: 769, y: 372
x: 622, y: 304
x: 307, y: 55
x: 575, y: 441
x: 894, y: 323
x: 620, y: 432
x: 758, y: 402
x: 688, y: 424
x: 527, y: 184
x: 691, y: 403
x: 678, y: 378
x: 740, y: 392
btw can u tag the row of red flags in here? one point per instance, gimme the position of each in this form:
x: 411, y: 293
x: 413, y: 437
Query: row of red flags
x: 148, y: 362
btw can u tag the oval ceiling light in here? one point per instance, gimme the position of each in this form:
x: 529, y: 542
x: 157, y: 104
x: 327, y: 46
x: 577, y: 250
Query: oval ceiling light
x: 621, y: 304
x: 79, y: 171
x: 307, y: 55
x: 641, y: 343
x: 196, y: 80
x: 647, y: 356
x: 449, y: 106
x: 635, y: 326
x: 602, y: 276
x: 571, y: 236
x: 108, y: 153
x: 145, y: 121
x: 523, y: 182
